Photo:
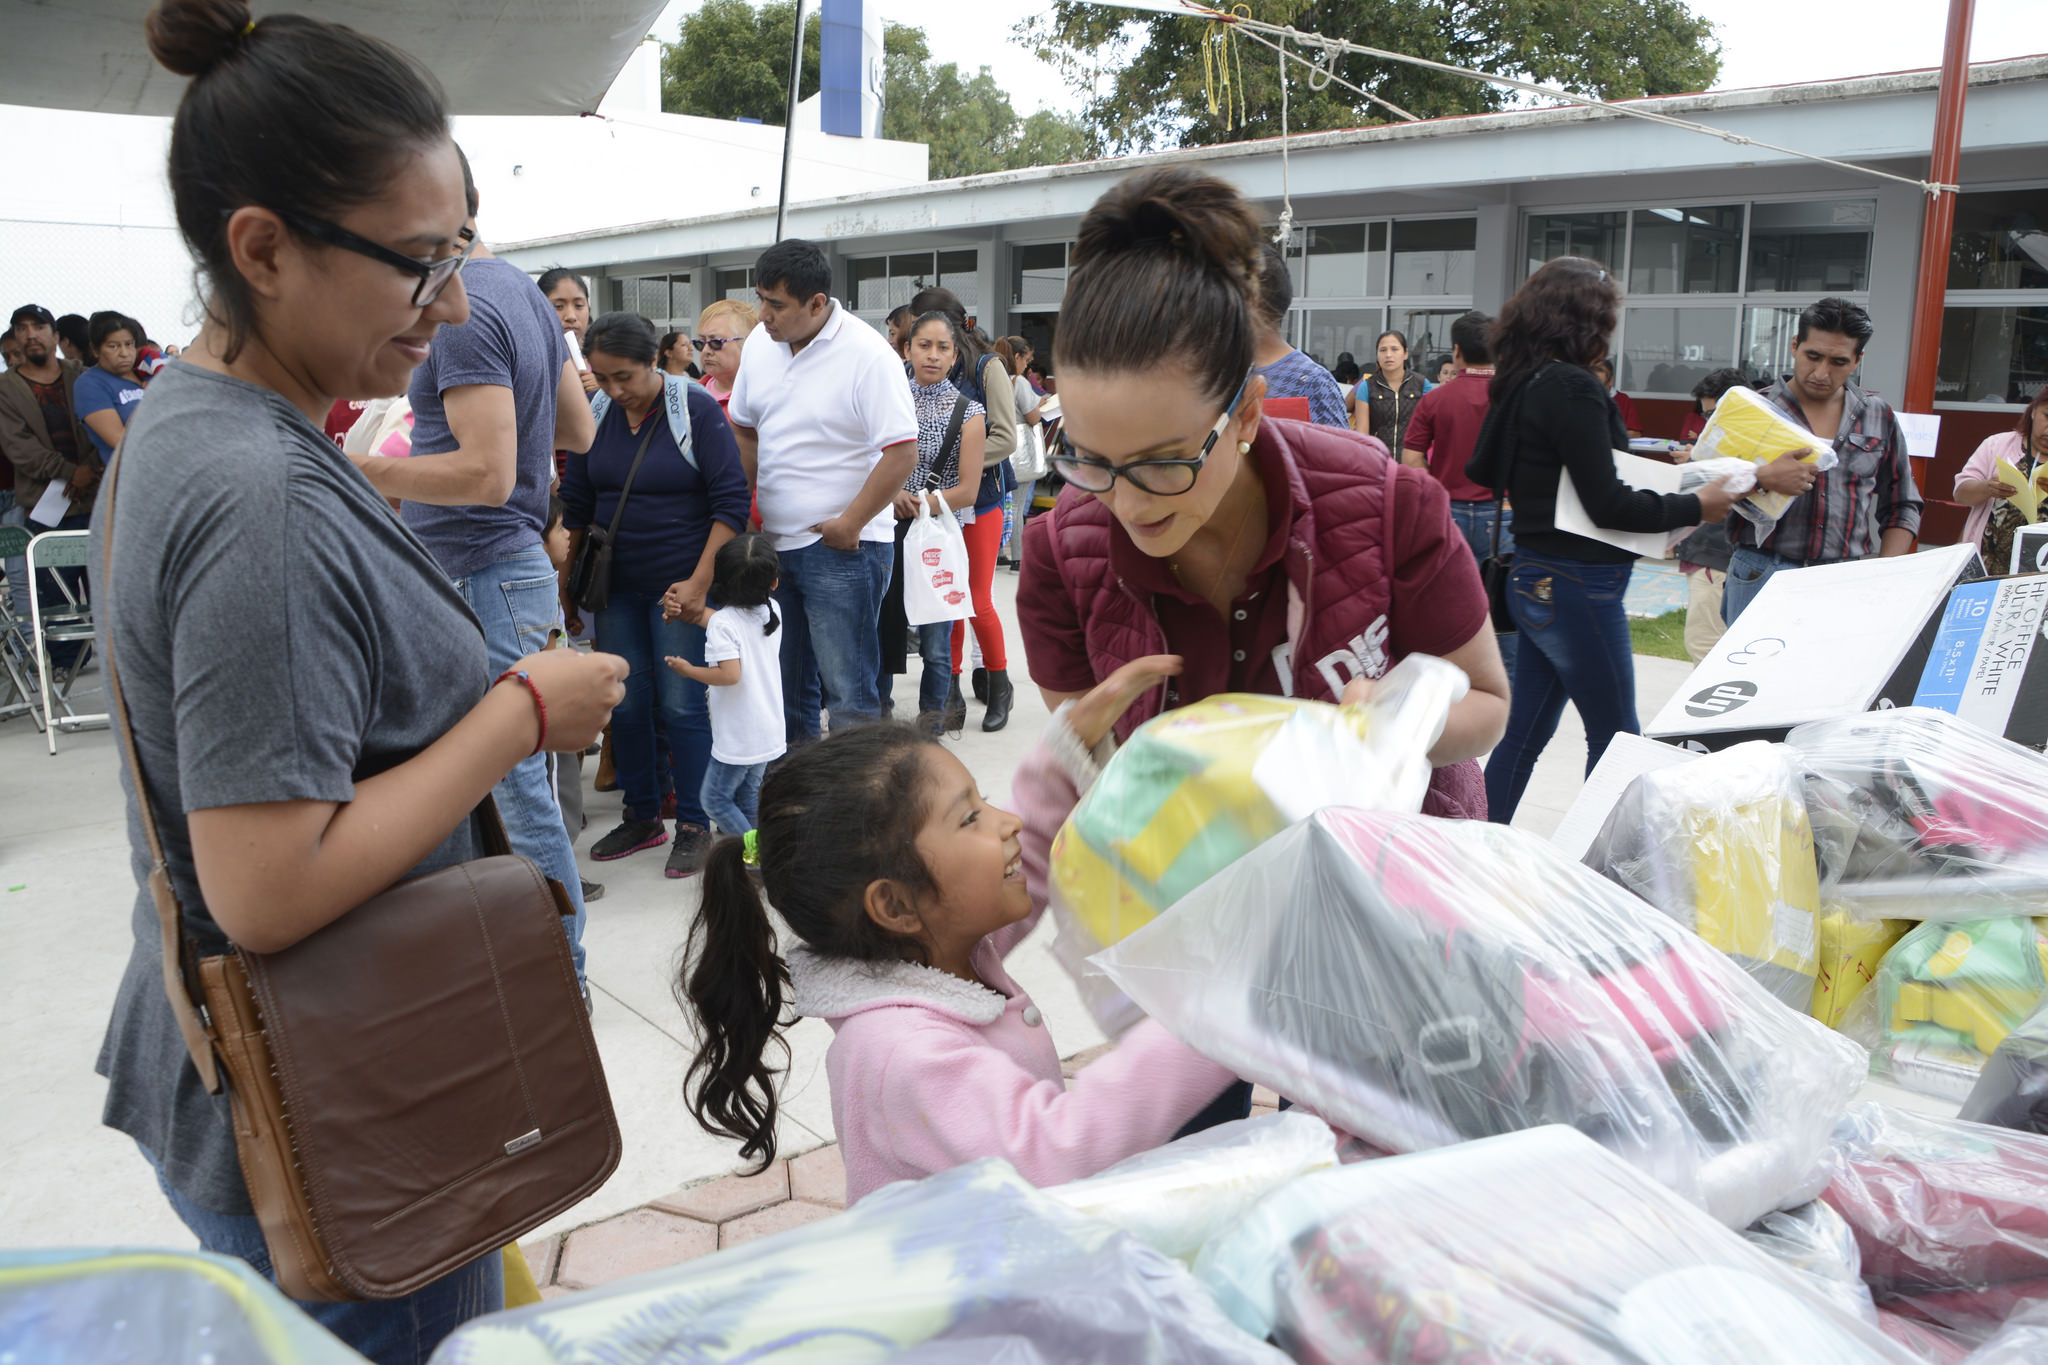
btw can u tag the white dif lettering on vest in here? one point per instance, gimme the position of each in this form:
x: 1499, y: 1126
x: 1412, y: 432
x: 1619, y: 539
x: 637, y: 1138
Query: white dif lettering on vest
x: 1364, y: 657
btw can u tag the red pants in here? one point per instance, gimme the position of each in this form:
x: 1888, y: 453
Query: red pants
x: 984, y: 541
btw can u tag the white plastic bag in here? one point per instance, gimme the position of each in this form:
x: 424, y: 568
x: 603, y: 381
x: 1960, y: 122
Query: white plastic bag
x: 1536, y: 1246
x: 935, y: 566
x: 1179, y: 1196
x: 1421, y: 982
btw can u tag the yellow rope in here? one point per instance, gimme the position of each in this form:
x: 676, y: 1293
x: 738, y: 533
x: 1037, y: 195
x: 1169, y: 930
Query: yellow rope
x: 1219, y: 47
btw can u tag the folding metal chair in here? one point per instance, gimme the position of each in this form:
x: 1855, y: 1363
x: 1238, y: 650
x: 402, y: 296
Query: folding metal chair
x: 17, y: 656
x: 71, y: 621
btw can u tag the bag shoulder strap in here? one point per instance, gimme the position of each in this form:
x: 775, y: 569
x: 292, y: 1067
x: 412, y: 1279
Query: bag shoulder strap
x: 193, y: 1025
x: 951, y: 444
x: 653, y: 420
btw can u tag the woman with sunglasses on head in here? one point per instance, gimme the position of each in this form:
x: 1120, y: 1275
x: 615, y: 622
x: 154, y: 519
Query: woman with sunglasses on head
x: 1270, y: 556
x: 309, y: 697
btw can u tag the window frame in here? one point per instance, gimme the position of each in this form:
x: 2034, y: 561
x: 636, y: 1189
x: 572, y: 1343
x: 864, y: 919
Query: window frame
x: 1991, y: 298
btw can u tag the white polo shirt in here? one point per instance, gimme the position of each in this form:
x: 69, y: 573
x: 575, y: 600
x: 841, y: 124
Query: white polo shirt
x: 824, y: 416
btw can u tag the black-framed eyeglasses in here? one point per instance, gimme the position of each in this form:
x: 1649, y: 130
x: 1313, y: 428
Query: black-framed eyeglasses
x: 713, y: 343
x: 1164, y: 478
x: 433, y: 275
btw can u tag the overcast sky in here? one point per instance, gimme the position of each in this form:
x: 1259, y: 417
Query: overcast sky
x: 1761, y: 44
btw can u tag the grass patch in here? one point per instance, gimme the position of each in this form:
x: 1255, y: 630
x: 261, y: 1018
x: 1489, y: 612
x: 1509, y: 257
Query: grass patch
x: 1661, y: 637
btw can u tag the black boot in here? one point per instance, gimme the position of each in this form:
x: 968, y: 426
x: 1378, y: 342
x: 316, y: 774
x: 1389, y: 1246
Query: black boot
x: 980, y: 680
x: 1000, y: 695
x: 956, y: 707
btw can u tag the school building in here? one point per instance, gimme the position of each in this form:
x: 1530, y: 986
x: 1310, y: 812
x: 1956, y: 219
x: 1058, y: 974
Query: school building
x: 1718, y: 244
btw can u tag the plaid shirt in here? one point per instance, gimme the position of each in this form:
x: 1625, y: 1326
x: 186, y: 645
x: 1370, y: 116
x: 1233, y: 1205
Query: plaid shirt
x: 1851, y: 506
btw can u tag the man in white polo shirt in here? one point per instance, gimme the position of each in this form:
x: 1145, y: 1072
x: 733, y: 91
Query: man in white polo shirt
x: 827, y: 432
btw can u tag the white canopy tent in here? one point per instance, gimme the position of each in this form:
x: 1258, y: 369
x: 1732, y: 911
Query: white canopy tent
x: 492, y: 57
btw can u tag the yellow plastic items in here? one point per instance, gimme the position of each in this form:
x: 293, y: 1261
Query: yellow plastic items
x: 1746, y: 426
x: 1850, y: 950
x: 1756, y: 888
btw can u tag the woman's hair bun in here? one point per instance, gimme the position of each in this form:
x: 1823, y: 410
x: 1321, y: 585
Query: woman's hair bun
x: 191, y: 37
x: 1186, y: 211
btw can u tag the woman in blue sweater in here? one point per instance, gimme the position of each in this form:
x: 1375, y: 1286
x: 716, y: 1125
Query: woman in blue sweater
x: 688, y: 498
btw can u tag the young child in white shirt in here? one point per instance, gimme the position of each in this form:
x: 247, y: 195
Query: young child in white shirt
x: 743, y: 670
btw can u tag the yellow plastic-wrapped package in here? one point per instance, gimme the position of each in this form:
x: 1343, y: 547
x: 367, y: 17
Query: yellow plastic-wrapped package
x: 1748, y: 426
x: 1850, y: 950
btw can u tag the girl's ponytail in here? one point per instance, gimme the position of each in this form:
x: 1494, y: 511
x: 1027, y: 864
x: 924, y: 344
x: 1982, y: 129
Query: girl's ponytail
x: 736, y: 987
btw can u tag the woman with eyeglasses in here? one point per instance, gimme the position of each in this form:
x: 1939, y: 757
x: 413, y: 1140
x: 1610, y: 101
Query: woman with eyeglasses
x: 722, y: 331
x: 310, y: 700
x: 1277, y: 558
x: 687, y: 498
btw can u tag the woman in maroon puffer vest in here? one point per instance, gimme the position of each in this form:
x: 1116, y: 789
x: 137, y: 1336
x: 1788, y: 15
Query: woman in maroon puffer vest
x: 1270, y: 556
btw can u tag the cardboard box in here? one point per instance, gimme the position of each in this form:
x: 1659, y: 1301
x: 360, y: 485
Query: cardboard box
x: 1982, y: 660
x: 1832, y: 640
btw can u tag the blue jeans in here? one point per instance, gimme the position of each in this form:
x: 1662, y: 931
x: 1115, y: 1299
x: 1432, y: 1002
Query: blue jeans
x: 831, y: 605
x: 1748, y: 571
x: 1575, y: 631
x: 517, y: 599
x: 1475, y: 522
x: 389, y: 1331
x: 13, y: 514
x: 935, y: 648
x: 732, y: 795
x: 631, y: 627
x: 1020, y: 512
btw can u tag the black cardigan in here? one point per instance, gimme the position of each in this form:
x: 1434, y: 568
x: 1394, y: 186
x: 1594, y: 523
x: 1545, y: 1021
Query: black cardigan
x: 1561, y: 418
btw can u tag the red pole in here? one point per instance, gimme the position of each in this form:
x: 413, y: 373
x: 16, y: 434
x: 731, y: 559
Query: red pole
x: 1924, y: 350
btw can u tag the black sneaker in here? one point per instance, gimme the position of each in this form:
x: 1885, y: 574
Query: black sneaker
x: 630, y: 837
x: 686, y: 859
x: 592, y: 891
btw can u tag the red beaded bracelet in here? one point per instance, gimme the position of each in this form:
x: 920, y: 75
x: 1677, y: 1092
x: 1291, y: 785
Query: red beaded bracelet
x: 539, y: 703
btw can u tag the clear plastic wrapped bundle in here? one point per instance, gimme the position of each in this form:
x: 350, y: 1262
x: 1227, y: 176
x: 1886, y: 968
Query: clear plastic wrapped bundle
x: 76, y: 1307
x: 2022, y: 1341
x: 1818, y: 1242
x: 1176, y: 1198
x: 971, y: 1264
x: 1749, y: 427
x: 2012, y: 1092
x: 1920, y: 815
x: 1951, y: 1217
x: 1945, y: 998
x: 1421, y: 982
x: 1535, y: 1247
x: 1851, y: 949
x: 1197, y: 788
x: 1722, y: 845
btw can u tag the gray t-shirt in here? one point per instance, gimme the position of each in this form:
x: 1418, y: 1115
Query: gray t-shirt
x: 513, y: 340
x: 279, y: 635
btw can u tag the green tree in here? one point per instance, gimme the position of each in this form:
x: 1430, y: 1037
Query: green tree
x: 1145, y: 84
x: 732, y: 61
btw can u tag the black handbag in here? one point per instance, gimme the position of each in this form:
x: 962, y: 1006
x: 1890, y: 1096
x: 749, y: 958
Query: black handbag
x: 590, y: 577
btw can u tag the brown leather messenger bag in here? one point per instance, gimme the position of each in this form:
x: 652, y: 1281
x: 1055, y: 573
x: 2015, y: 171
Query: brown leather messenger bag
x: 414, y: 1085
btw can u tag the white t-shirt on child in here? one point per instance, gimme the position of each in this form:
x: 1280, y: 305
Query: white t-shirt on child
x: 746, y: 718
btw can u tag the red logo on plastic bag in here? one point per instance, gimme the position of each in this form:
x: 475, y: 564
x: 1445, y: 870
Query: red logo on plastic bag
x: 942, y: 579
x: 955, y: 598
x: 933, y: 556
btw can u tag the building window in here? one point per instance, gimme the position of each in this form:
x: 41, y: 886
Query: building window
x: 1992, y: 355
x: 1435, y: 256
x: 1343, y: 261
x: 1668, y: 350
x: 1816, y: 247
x: 1429, y: 339
x: 737, y: 284
x: 878, y: 285
x: 1329, y: 335
x: 1038, y: 275
x: 664, y: 300
x: 1601, y: 237
x: 2000, y: 241
x: 1686, y: 251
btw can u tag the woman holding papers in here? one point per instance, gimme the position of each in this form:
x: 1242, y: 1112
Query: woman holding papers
x: 1995, y: 485
x: 1551, y: 417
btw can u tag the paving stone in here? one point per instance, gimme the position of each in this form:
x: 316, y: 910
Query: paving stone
x: 716, y: 1201
x: 542, y: 1258
x: 771, y: 1220
x: 554, y: 1291
x: 1261, y: 1095
x: 819, y: 1177
x: 645, y: 1239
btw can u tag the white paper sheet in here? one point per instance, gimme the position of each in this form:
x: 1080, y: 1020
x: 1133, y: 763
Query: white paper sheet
x: 1627, y: 758
x: 1652, y: 475
x: 1920, y: 430
x: 54, y: 505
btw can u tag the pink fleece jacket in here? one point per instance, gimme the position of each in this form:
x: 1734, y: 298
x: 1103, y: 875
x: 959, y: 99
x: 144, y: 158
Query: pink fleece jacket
x: 1981, y: 464
x: 929, y: 1071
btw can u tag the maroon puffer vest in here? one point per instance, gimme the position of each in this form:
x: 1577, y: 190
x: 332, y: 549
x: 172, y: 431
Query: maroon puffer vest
x: 1346, y: 494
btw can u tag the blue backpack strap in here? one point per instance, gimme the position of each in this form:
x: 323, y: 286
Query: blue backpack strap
x: 600, y: 404
x: 675, y: 398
